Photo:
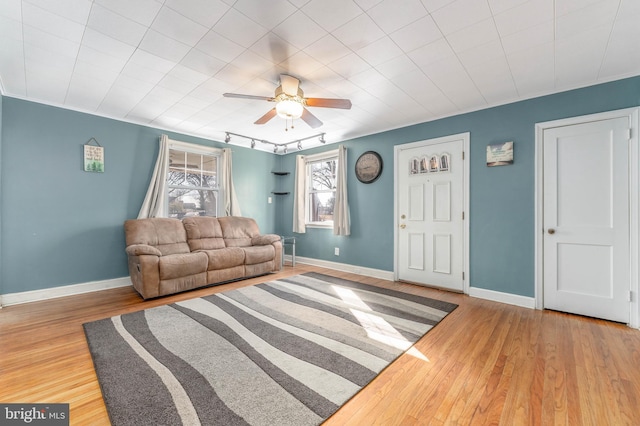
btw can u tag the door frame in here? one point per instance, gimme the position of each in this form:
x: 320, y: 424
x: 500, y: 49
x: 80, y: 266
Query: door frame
x: 466, y: 138
x: 633, y: 115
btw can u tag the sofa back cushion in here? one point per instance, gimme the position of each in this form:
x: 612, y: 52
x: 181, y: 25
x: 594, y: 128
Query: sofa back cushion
x: 238, y: 231
x: 203, y: 233
x: 165, y: 234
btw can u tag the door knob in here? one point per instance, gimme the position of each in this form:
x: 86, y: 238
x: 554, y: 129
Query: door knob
x: 402, y: 217
x: 403, y: 226
x: 551, y: 231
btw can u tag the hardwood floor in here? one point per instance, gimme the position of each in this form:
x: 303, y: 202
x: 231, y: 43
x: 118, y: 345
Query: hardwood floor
x: 487, y: 363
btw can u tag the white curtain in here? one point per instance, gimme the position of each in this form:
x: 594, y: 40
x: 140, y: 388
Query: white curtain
x: 155, y: 204
x: 341, y: 219
x: 299, y: 196
x: 231, y: 205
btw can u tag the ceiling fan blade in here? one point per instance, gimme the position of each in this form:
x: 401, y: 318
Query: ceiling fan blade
x: 268, y: 116
x: 289, y: 84
x: 237, y: 95
x: 310, y: 119
x: 328, y: 103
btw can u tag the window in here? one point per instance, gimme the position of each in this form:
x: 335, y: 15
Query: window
x: 193, y: 181
x: 322, y: 172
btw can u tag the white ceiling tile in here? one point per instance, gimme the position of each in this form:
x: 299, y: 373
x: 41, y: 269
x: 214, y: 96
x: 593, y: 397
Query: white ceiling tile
x: 576, y: 66
x: 51, y: 23
x: 299, y: 30
x: 529, y: 37
x: 10, y: 29
x: 52, y: 44
x: 529, y: 14
x: 120, y: 100
x: 213, y: 44
x: 251, y: 64
x: 12, y: 72
x: 327, y: 49
x: 47, y: 84
x: 629, y: 8
x: 433, y: 52
x: 349, y: 65
x: 564, y: 7
x: 140, y: 11
x: 359, y: 32
x: 177, y: 85
x: 585, y: 19
x: 201, y: 62
x: 396, y: 67
x: 178, y: 27
x: 131, y: 81
x: 273, y: 48
x: 367, y: 4
x: 237, y: 27
x: 75, y: 10
x: 11, y: 9
x: 380, y: 51
x: 150, y: 62
x: 494, y: 81
x: 204, y: 12
x: 116, y: 26
x: 391, y: 15
x: 164, y: 47
x: 106, y: 44
x: 533, y: 80
x: 474, y: 35
x: 234, y: 76
x: 301, y: 64
x: 101, y: 60
x: 417, y: 34
x: 480, y: 55
x: 86, y: 93
x: 268, y: 14
x: 331, y: 14
x: 461, y: 14
x: 367, y: 78
x: 433, y: 5
x: 499, y: 6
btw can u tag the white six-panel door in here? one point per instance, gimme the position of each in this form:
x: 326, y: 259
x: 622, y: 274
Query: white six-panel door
x: 586, y: 239
x: 430, y: 203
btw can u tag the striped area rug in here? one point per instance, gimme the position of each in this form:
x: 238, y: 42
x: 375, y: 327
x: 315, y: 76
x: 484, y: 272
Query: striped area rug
x: 286, y: 352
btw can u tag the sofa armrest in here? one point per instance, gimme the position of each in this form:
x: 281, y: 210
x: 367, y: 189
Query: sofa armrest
x: 140, y: 249
x: 264, y: 240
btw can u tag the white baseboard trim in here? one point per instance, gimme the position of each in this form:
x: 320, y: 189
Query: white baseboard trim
x: 67, y: 290
x: 344, y: 267
x: 497, y: 296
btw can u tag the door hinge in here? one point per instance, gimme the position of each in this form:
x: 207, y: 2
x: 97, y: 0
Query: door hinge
x: 629, y: 133
x: 463, y: 155
x: 462, y: 275
x: 630, y: 298
x: 462, y: 215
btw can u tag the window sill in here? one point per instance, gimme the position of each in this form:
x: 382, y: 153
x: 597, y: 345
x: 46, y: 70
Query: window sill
x: 319, y: 225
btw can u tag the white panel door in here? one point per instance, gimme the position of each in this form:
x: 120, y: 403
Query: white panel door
x: 586, y: 219
x: 430, y: 203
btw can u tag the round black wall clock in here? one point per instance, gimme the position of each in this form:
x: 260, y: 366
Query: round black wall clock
x: 369, y: 167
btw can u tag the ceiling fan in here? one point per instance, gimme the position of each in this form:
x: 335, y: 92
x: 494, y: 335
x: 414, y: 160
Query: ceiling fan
x: 291, y: 103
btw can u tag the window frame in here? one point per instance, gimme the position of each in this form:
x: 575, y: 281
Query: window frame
x: 191, y: 148
x: 308, y: 161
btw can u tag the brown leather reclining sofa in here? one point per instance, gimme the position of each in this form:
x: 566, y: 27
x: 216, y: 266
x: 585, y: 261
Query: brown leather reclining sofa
x: 168, y: 256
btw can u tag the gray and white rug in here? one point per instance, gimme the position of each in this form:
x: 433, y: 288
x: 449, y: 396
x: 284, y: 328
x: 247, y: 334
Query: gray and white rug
x: 286, y: 352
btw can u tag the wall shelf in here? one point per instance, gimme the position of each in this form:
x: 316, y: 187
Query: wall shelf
x: 280, y: 193
x: 280, y: 173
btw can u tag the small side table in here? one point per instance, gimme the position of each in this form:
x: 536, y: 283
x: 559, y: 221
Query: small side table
x: 289, y: 241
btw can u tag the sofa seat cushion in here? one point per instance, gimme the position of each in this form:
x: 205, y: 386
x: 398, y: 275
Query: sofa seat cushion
x: 224, y: 258
x: 182, y: 265
x: 259, y: 254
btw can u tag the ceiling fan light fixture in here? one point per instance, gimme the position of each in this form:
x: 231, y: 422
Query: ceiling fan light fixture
x: 289, y: 109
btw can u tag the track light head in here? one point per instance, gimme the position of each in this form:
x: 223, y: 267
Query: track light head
x: 253, y: 143
x: 299, y: 146
x: 275, y: 149
x: 322, y: 138
x: 227, y: 138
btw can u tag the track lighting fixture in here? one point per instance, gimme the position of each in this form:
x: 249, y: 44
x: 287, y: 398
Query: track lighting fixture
x: 276, y: 146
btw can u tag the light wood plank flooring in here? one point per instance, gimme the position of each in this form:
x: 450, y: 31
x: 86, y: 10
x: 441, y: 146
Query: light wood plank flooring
x: 486, y: 363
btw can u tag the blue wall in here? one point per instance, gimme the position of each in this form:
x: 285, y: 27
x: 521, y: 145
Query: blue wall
x: 61, y: 225
x: 502, y: 198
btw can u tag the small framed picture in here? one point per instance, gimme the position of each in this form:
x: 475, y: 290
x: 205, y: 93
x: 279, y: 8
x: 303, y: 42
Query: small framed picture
x: 500, y: 154
x: 93, y: 158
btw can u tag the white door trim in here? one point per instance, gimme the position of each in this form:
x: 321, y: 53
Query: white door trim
x: 466, y: 138
x: 633, y: 114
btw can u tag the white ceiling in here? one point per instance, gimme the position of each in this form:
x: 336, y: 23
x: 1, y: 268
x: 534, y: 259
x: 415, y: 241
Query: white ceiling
x: 167, y: 63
